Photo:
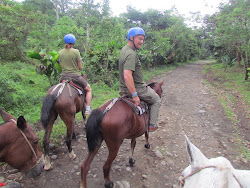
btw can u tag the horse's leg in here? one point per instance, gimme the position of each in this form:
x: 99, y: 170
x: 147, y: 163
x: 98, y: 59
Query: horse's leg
x: 69, y: 121
x: 83, y: 118
x: 113, y: 150
x: 74, y: 135
x: 147, y: 145
x: 46, y: 141
x: 86, y: 166
x: 131, y: 160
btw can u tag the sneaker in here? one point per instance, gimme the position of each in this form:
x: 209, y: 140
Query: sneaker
x: 152, y: 128
x: 87, y: 112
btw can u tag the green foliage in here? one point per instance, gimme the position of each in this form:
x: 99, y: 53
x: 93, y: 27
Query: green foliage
x: 100, y: 61
x: 12, y: 38
x: 22, y: 90
x: 232, y: 78
x: 99, y: 37
x: 63, y: 26
x: 49, y: 65
x: 231, y: 33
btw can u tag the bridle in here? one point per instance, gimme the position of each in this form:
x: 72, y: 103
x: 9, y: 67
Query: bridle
x: 182, y: 179
x: 38, y: 160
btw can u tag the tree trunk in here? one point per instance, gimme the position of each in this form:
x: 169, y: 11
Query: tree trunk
x: 57, y: 10
x: 87, y: 38
x: 239, y: 58
x: 245, y: 60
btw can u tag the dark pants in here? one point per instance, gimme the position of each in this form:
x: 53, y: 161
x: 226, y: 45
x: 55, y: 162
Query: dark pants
x: 79, y: 79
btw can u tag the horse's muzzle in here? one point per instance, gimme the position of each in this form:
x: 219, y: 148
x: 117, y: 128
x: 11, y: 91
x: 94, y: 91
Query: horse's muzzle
x: 36, y: 170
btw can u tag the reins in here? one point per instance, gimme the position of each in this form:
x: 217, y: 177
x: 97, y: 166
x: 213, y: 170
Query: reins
x: 33, y: 151
x: 182, y: 179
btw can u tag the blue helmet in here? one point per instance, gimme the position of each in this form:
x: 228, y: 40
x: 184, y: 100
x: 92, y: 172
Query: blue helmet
x: 135, y: 31
x: 69, y: 39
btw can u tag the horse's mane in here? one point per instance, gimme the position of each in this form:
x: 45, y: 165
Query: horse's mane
x: 152, y: 84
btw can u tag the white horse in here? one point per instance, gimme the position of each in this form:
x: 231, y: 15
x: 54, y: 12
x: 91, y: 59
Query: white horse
x: 211, y: 173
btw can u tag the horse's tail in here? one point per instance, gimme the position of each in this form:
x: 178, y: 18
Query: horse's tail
x: 48, y: 106
x: 93, y: 129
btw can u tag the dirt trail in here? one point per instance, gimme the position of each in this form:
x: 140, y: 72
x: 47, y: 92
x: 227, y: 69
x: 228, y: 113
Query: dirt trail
x: 188, y: 107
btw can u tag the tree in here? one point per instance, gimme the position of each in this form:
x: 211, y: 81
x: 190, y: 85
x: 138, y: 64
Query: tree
x: 232, y: 33
x: 11, y: 31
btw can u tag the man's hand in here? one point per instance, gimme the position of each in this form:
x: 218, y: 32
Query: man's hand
x: 136, y: 100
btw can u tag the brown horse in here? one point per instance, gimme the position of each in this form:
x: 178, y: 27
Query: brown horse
x: 66, y: 101
x: 19, y: 145
x: 119, y: 123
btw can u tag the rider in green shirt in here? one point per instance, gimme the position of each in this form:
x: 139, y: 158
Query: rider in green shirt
x: 131, y: 77
x: 71, y: 64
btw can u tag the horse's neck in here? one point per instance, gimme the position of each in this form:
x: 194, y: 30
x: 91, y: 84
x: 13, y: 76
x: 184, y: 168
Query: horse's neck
x: 243, y: 177
x: 215, y: 178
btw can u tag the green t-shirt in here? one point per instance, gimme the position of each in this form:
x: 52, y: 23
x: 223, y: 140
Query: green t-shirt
x: 68, y: 59
x: 129, y: 60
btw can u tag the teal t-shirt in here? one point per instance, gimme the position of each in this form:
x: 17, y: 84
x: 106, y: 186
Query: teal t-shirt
x: 69, y: 59
x: 129, y: 60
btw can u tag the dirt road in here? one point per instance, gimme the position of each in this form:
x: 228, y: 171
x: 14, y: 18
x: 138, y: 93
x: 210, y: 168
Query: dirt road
x: 188, y: 107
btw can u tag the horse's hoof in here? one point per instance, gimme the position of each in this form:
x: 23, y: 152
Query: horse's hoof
x: 72, y: 155
x: 110, y: 185
x: 47, y: 163
x: 48, y: 167
x: 131, y: 161
x: 147, y: 146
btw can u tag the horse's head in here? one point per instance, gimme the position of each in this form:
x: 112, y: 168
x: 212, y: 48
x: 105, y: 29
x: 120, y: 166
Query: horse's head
x: 157, y: 87
x: 214, y: 172
x: 23, y: 152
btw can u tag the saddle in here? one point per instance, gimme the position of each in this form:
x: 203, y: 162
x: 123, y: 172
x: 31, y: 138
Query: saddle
x: 139, y: 110
x: 70, y: 84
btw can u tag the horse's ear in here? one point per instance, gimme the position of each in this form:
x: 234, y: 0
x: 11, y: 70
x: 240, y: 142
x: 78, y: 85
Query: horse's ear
x: 21, y: 123
x: 6, y: 116
x: 197, y: 158
x: 161, y: 83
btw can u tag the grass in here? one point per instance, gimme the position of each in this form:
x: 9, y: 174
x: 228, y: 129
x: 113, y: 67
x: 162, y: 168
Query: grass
x: 230, y: 80
x: 22, y: 90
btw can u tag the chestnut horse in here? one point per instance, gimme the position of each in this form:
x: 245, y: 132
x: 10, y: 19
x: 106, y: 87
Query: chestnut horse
x: 66, y: 101
x: 19, y: 145
x: 113, y: 126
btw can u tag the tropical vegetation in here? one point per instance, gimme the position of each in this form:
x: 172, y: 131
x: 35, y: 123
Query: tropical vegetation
x: 32, y: 34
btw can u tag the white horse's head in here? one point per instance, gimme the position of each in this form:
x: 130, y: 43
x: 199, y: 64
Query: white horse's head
x: 212, y: 173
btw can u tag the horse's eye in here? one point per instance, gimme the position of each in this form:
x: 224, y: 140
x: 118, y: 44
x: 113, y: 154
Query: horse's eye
x: 36, y: 142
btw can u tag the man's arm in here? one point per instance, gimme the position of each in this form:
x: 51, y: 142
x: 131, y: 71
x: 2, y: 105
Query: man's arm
x: 79, y: 63
x: 129, y: 81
